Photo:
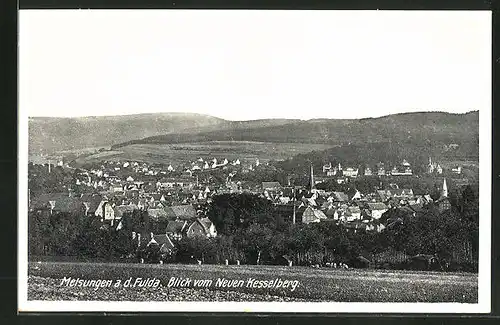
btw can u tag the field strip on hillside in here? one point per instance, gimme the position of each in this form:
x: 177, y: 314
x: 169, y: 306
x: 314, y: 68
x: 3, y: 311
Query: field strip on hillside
x: 312, y: 284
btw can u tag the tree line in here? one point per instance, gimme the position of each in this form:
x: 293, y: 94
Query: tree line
x: 252, y: 231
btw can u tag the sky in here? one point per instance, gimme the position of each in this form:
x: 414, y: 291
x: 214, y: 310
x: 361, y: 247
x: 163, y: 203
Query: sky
x: 250, y: 64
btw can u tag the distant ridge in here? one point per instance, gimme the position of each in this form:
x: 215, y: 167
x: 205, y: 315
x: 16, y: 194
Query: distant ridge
x: 49, y: 134
x: 420, y: 126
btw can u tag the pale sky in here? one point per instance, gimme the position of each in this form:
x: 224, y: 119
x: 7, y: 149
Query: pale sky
x: 242, y: 65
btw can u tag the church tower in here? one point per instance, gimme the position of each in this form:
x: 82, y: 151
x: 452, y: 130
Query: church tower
x: 444, y: 192
x: 443, y: 203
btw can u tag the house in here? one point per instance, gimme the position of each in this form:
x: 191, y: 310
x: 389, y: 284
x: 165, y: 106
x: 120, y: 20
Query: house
x: 201, y: 227
x: 434, y: 167
x: 105, y: 211
x: 404, y: 169
x: 397, y: 193
x: 368, y: 171
x: 374, y: 226
x: 330, y: 210
x: 271, y: 186
x: 352, y: 213
x: 350, y: 172
x: 355, y: 226
x: 121, y: 210
x: 184, y: 212
x: 284, y: 200
x: 312, y: 215
x: 142, y: 204
x: 376, y: 209
x: 116, y: 187
x: 162, y: 240
x: 327, y: 168
x: 159, y: 214
x: 175, y: 229
x: 91, y: 205
x: 354, y: 195
x: 380, y: 169
x: 340, y: 197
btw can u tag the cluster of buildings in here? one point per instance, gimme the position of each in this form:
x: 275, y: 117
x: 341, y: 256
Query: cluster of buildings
x: 342, y: 174
x: 173, y: 196
x: 436, y: 168
x: 355, y: 210
x: 169, y: 196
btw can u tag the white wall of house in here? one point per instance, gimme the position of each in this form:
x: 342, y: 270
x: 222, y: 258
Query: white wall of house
x: 376, y: 214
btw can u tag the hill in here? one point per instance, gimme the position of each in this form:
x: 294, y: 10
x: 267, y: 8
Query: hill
x: 423, y: 127
x: 50, y: 134
x: 54, y: 134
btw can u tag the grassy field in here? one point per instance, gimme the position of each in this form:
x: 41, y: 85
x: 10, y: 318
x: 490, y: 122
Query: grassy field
x: 311, y: 284
x: 182, y: 152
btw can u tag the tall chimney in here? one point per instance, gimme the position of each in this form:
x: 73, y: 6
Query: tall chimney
x: 312, y: 178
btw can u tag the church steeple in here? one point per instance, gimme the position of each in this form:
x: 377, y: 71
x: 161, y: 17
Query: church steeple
x: 444, y: 192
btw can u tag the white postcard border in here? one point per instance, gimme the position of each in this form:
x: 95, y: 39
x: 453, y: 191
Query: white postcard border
x: 484, y: 276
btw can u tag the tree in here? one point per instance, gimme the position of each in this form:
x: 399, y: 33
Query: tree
x: 230, y: 212
x: 197, y: 247
x: 257, y: 239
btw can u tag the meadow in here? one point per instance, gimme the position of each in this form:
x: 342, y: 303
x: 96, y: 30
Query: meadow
x: 323, y: 284
x: 183, y: 152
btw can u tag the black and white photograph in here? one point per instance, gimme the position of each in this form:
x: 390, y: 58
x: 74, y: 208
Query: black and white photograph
x: 254, y: 161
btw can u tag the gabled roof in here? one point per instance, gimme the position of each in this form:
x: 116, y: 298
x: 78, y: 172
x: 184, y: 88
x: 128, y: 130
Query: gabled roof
x: 158, y: 214
x: 340, y: 196
x: 384, y: 196
x: 120, y: 210
x: 376, y: 206
x: 156, y: 196
x: 175, y: 226
x: 184, y: 211
x: 330, y: 211
x: 353, y: 209
x: 417, y: 207
x: 206, y: 223
x: 326, y: 205
x: 92, y: 205
x: 163, y: 241
x: 397, y: 191
x: 88, y: 197
x: 270, y: 185
x: 313, y: 212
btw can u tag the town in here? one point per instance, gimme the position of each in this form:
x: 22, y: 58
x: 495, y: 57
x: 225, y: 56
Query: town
x: 165, y: 205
